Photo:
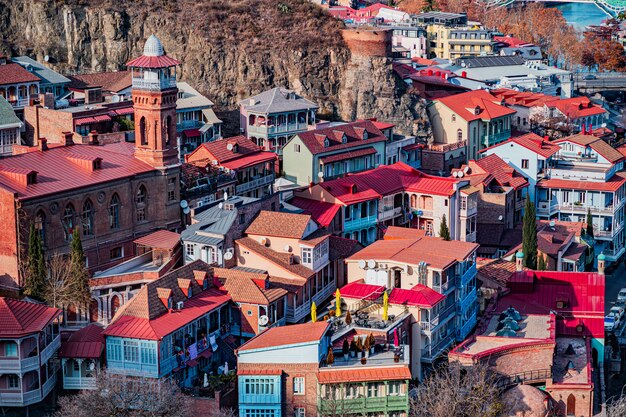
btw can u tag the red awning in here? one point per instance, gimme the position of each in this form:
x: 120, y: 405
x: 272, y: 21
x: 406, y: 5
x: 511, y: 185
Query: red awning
x: 125, y: 111
x: 192, y: 133
x: 192, y: 363
x: 102, y: 118
x: 85, y: 121
x: 205, y: 354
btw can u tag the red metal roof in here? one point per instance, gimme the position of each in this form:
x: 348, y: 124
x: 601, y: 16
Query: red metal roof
x: 55, y: 173
x: 613, y: 184
x: 20, y: 318
x: 512, y: 42
x: 250, y: 160
x: 347, y: 155
x: 287, y: 335
x: 464, y: 105
x: 362, y: 291
x: 338, y: 375
x: 87, y: 342
x: 156, y: 329
x: 84, y: 121
x: 162, y: 239
x: 576, y: 107
x: 537, y: 292
x: 125, y: 111
x: 242, y: 153
x: 15, y: 74
x: 383, y: 125
x: 532, y: 142
x: 321, y: 212
x: 420, y: 296
x: 162, y: 61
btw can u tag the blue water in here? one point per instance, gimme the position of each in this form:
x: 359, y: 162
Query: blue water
x: 580, y: 15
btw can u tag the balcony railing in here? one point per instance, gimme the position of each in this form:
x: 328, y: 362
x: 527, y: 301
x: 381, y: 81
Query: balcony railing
x: 84, y: 382
x: 443, y: 288
x: 442, y: 317
x: 49, y: 350
x: 467, y: 301
x: 467, y: 275
x: 389, y: 213
x: 489, y: 140
x: 31, y: 363
x: 467, y: 327
x: 581, y: 208
x: 145, y: 84
x: 189, y: 124
x: 283, y: 128
x: 470, y: 237
x: 432, y: 352
x: 19, y: 103
x: 255, y: 183
x: 360, y: 223
x: 299, y: 312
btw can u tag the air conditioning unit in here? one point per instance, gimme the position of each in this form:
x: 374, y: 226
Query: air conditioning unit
x: 180, y: 305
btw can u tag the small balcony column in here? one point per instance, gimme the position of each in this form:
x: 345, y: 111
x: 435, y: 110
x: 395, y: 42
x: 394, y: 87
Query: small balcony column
x: 19, y: 350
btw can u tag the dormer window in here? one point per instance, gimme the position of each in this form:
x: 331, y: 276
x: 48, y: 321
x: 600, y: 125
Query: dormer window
x: 190, y: 292
x: 477, y: 110
x: 96, y: 164
x: 170, y: 303
x: 365, y: 136
x: 31, y: 178
x: 326, y: 143
x: 205, y: 283
x: 562, y: 303
x: 344, y: 138
x: 353, y: 188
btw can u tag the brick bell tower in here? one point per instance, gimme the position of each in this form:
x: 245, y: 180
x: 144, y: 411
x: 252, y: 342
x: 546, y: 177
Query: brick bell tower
x: 154, y: 100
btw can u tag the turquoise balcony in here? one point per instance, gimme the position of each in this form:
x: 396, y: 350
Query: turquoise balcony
x: 360, y: 223
x: 493, y: 139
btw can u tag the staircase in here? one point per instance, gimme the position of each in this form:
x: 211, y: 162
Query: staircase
x: 228, y: 352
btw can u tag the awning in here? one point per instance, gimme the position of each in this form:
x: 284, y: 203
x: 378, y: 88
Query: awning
x: 192, y: 133
x: 125, y: 111
x: 205, y: 354
x: 102, y: 118
x: 84, y: 121
x: 210, y: 116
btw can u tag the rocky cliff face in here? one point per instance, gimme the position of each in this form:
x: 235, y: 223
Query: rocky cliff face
x: 229, y: 50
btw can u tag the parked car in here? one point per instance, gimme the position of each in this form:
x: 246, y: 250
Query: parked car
x: 609, y: 323
x: 617, y: 311
x: 621, y: 295
x: 589, y: 77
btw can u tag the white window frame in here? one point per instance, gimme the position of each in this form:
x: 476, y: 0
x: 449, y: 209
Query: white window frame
x: 299, y: 385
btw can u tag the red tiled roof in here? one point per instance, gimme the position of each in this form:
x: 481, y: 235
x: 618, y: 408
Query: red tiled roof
x: 386, y: 180
x: 14, y: 74
x: 361, y: 291
x: 155, y: 329
x: 383, y: 125
x: 314, y: 139
x: 347, y: 155
x: 512, y: 42
x: 341, y: 248
x: 576, y: 107
x: 55, y: 173
x: 287, y: 335
x: 338, y: 375
x: 20, y: 318
x: 161, y: 239
x: 497, y: 273
x: 522, y: 98
x: 503, y: 173
x: 243, y: 288
x: 532, y: 142
x: 321, y: 212
x: 424, y: 61
x: 279, y: 224
x: 114, y: 81
x: 600, y: 146
x: 243, y: 152
x: 613, y: 184
x: 464, y: 105
x: 87, y: 342
x: 437, y: 252
x: 396, y: 232
x: 420, y: 296
x: 143, y: 61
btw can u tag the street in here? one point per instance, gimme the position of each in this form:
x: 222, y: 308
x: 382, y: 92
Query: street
x: 614, y: 282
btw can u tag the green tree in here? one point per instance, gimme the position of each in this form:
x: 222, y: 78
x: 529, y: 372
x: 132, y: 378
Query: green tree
x: 529, y: 235
x: 541, y: 263
x: 589, y: 224
x: 35, y: 280
x: 444, y: 232
x: 79, y: 276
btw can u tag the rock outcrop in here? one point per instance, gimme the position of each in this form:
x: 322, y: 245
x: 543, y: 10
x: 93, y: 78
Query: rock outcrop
x: 229, y: 50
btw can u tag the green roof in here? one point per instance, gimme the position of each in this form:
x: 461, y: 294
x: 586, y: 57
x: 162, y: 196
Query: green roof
x: 7, y: 115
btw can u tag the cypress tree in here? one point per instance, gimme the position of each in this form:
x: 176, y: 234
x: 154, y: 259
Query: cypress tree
x: 79, y: 278
x: 589, y: 224
x: 529, y: 235
x: 444, y: 232
x: 36, y: 275
x: 541, y: 263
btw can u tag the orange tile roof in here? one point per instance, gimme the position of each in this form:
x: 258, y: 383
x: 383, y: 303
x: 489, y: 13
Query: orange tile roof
x: 242, y: 286
x: 437, y: 252
x: 354, y: 132
x: 576, y: 107
x: 522, y: 98
x: 338, y: 375
x: 279, y: 224
x: 597, y: 144
x: 114, y: 81
x: 161, y: 239
x: 243, y: 152
x: 497, y: 272
x: 396, y: 232
x: 502, y: 172
x: 464, y: 105
x: 20, y: 318
x: 287, y: 335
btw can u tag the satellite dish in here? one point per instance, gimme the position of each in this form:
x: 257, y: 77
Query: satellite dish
x: 455, y: 174
x: 320, y: 174
x: 461, y: 174
x: 466, y: 170
x: 362, y: 264
x: 229, y: 146
x: 184, y: 204
x: 186, y: 210
x: 287, y: 248
x: 263, y: 320
x: 263, y: 241
x: 92, y: 366
x: 46, y: 58
x: 500, y: 218
x: 371, y: 263
x: 225, y: 196
x: 115, y: 99
x: 228, y: 256
x: 221, y: 205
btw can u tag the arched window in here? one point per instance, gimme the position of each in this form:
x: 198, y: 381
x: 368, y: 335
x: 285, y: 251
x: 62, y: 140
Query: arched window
x: 454, y: 117
x: 459, y: 135
x: 571, y: 405
x: 40, y: 226
x: 68, y: 221
x: 142, y: 131
x: 87, y: 218
x: 114, y: 212
x: 140, y: 200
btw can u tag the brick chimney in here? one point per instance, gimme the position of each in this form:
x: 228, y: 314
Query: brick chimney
x: 43, y: 144
x: 47, y: 100
x: 67, y: 139
x: 93, y: 138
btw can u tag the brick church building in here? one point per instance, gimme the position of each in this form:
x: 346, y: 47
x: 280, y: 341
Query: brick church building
x: 112, y: 193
